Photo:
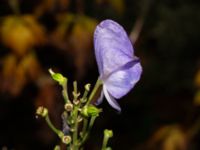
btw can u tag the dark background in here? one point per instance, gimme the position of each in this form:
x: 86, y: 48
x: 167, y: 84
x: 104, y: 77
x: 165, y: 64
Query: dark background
x: 161, y: 103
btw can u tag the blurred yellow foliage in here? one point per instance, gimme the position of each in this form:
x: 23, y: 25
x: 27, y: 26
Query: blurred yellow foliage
x: 176, y: 140
x: 117, y: 5
x: 197, y: 84
x: 16, y: 73
x: 21, y: 33
x: 51, y: 5
x: 75, y: 35
x: 171, y: 137
x: 197, y: 98
x: 81, y: 42
x: 197, y: 79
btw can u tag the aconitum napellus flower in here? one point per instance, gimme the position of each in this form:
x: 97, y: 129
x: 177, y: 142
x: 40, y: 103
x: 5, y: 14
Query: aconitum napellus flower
x: 119, y: 68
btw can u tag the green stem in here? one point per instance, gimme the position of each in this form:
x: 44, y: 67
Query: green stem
x: 107, y: 135
x: 105, y: 142
x: 75, y: 115
x: 87, y: 132
x: 85, y: 124
x: 75, y: 133
x: 97, y: 85
x: 75, y: 87
x: 85, y: 94
x: 58, y: 132
x: 65, y: 93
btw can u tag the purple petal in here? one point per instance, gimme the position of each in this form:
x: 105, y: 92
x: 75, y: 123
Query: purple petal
x: 119, y: 83
x: 111, y: 100
x: 113, y: 48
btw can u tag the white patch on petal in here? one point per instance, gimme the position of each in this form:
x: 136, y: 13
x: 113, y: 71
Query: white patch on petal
x: 111, y: 100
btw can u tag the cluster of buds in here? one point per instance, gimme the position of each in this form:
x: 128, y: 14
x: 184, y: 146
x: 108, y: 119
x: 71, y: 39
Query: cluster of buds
x: 75, y: 111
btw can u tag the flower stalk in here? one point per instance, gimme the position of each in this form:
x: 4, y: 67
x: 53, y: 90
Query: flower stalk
x: 96, y: 87
x: 107, y: 135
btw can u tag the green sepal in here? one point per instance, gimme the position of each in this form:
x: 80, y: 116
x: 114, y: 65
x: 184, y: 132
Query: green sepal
x: 90, y: 110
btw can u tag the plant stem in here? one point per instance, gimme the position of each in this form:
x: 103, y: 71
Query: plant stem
x: 65, y: 93
x: 58, y: 132
x: 105, y: 142
x: 75, y: 133
x: 97, y: 85
x: 75, y: 116
x: 85, y: 124
x: 107, y: 135
x: 87, y: 132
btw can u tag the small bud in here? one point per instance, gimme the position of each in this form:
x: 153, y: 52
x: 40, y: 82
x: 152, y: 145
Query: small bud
x: 66, y: 139
x: 83, y: 100
x: 87, y: 87
x: 108, y: 148
x: 70, y: 120
x: 108, y: 133
x: 42, y: 111
x: 58, y: 77
x: 90, y: 110
x: 68, y: 107
x: 79, y: 119
x: 72, y: 130
x: 76, y: 102
x: 57, y: 147
x: 76, y: 95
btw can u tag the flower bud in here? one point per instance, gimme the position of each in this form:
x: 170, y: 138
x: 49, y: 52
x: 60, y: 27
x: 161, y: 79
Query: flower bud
x: 76, y: 95
x: 68, y: 107
x: 76, y: 101
x: 87, y: 87
x: 42, y: 111
x: 108, y: 133
x: 66, y: 139
x: 90, y: 110
x: 58, y: 77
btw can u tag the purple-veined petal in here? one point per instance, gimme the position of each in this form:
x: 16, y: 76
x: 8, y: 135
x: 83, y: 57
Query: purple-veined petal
x: 120, y: 82
x: 110, y: 99
x: 113, y: 48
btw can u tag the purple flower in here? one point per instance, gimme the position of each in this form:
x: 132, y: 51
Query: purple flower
x: 119, y: 69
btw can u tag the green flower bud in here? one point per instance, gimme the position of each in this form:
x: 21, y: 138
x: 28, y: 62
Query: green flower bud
x: 108, y: 133
x: 87, y: 87
x: 76, y: 101
x: 76, y: 95
x: 42, y: 111
x: 91, y: 110
x: 66, y: 139
x: 58, y: 77
x: 108, y: 148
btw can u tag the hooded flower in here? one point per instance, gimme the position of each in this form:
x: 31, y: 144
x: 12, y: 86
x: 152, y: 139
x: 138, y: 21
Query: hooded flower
x: 119, y: 69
